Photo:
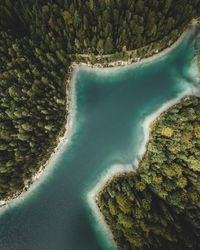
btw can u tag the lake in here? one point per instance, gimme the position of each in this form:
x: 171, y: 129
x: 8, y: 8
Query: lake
x: 109, y: 108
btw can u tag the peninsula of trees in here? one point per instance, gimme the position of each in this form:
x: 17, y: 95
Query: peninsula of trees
x: 158, y: 206
x: 38, y: 42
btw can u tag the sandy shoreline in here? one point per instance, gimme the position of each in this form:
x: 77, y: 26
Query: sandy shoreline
x: 63, y: 139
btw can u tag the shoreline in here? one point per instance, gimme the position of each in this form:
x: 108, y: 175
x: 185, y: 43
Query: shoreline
x: 116, y: 171
x: 120, y: 169
x: 156, y: 55
x: 66, y: 131
x: 130, y: 63
x: 150, y: 120
x: 93, y: 194
x: 63, y: 138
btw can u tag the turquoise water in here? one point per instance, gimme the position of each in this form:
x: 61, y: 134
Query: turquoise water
x: 110, y: 108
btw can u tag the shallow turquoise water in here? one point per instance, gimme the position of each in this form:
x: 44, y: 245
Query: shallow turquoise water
x: 110, y: 108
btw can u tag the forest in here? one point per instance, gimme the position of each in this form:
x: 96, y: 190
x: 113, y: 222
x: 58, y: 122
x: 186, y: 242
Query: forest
x: 158, y: 206
x: 39, y: 39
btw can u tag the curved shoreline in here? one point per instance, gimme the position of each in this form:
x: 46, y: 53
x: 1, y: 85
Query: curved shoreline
x: 116, y: 65
x: 66, y: 134
x: 70, y: 94
x: 93, y: 194
x: 120, y: 170
x: 113, y: 173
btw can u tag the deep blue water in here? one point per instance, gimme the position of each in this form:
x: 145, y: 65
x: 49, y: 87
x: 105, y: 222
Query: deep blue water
x: 110, y: 107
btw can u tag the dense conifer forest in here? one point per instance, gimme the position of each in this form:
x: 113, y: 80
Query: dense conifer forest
x: 158, y: 207
x: 39, y: 39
